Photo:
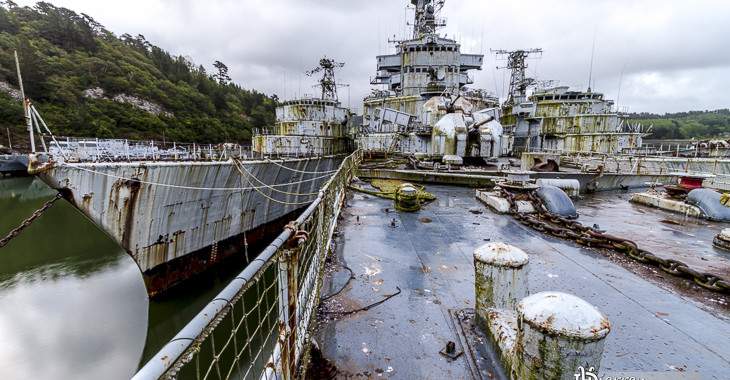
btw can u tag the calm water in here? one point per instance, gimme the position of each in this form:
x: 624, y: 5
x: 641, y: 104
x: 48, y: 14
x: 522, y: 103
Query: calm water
x: 72, y: 302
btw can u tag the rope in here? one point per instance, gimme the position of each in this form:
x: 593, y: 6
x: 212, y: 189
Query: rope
x: 35, y: 111
x: 240, y: 167
x: 188, y: 187
x: 299, y: 171
x: 243, y: 176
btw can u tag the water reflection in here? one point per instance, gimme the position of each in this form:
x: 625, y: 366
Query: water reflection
x: 72, y: 303
x: 667, y: 234
x: 71, y: 327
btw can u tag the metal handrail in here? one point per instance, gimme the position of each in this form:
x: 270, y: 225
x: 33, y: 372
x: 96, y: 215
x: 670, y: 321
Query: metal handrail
x: 172, y: 356
x: 76, y: 149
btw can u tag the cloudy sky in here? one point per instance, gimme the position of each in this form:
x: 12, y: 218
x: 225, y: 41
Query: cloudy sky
x: 663, y: 55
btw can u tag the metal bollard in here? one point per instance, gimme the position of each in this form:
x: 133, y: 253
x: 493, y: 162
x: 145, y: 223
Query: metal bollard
x: 500, y: 277
x: 558, y: 336
x: 722, y: 240
x: 406, y: 198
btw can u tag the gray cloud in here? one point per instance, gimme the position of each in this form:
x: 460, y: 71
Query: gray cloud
x: 673, y: 54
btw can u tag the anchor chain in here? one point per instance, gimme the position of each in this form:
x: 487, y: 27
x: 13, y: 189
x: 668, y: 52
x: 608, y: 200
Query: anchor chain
x: 558, y: 226
x: 28, y: 221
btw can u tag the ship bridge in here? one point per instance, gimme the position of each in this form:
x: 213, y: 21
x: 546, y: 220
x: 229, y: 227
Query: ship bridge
x: 423, y: 67
x: 426, y: 65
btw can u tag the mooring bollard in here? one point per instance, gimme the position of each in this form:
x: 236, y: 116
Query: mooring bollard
x: 500, y: 277
x: 558, y: 336
x: 406, y: 198
x: 722, y: 240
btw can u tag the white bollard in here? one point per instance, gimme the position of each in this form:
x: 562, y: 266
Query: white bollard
x: 558, y: 336
x: 722, y: 240
x: 500, y: 277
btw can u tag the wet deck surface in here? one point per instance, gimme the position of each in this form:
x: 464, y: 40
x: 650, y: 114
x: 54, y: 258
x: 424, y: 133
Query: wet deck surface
x: 654, y: 329
x: 667, y: 234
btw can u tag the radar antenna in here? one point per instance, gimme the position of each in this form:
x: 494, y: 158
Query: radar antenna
x: 517, y: 62
x: 329, y: 87
x: 546, y: 83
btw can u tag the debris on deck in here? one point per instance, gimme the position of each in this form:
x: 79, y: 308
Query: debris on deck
x: 429, y: 257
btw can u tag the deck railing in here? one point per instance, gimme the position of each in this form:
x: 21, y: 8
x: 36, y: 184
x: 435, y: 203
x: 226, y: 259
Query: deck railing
x: 75, y: 149
x: 259, y: 326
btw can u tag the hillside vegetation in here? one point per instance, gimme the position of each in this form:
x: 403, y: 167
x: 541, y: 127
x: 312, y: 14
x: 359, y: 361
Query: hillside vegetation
x: 686, y: 125
x: 86, y: 81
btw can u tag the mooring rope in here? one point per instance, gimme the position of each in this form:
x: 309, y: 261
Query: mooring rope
x: 240, y: 167
x: 188, y: 187
x: 287, y: 203
x: 300, y: 171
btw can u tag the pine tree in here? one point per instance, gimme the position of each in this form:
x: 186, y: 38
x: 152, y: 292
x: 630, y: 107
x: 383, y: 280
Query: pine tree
x: 222, y: 75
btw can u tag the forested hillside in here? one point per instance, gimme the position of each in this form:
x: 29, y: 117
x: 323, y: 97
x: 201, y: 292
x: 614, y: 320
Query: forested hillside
x: 86, y: 81
x: 686, y: 125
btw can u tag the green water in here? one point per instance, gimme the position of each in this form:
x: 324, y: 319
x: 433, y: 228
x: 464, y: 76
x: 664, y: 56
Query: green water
x: 72, y: 302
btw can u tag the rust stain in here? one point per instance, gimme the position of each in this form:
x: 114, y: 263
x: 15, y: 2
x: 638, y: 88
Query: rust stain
x: 86, y: 200
x: 129, y: 206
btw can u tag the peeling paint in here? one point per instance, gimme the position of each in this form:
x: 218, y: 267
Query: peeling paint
x: 500, y: 277
x: 156, y: 224
x: 557, y: 333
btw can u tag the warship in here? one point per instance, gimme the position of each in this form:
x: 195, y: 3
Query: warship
x: 309, y: 126
x: 559, y: 119
x: 424, y: 108
x: 501, y: 282
x: 487, y: 271
x: 181, y: 210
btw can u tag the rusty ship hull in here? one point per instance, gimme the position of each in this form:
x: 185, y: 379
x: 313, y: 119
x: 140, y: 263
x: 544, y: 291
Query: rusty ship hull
x: 177, y: 219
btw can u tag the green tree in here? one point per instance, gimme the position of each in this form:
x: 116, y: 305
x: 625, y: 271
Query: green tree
x: 222, y: 75
x: 65, y: 57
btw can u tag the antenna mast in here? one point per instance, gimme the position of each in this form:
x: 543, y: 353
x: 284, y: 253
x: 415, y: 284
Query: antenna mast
x: 327, y: 83
x: 517, y: 63
x: 590, y: 70
x: 26, y: 104
x: 426, y: 17
x: 620, y: 79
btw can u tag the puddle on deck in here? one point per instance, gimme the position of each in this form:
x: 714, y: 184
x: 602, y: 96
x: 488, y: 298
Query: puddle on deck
x: 428, y: 254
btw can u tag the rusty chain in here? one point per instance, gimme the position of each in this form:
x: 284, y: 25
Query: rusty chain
x: 557, y: 226
x: 28, y: 221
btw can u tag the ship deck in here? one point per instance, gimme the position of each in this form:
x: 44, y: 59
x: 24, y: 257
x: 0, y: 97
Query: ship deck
x: 658, y: 325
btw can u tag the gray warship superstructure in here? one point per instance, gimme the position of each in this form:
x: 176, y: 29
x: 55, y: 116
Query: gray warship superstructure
x: 557, y: 119
x: 424, y: 107
x: 309, y: 126
x: 179, y: 211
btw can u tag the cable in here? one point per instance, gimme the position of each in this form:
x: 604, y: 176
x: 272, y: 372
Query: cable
x: 352, y: 277
x: 239, y: 166
x: 188, y: 187
x: 366, y: 308
x: 273, y: 199
x: 297, y: 170
x: 35, y: 111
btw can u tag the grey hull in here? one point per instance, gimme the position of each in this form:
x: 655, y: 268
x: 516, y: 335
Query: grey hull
x: 162, y: 211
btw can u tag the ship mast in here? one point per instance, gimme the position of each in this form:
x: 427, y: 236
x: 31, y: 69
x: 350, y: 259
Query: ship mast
x: 327, y: 83
x: 519, y: 82
x: 426, y: 18
x: 26, y: 104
